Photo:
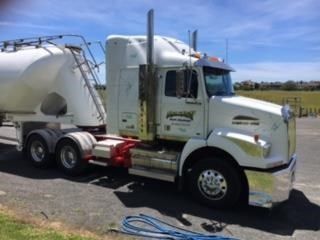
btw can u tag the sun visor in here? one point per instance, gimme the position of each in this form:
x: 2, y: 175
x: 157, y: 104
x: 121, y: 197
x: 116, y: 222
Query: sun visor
x: 205, y: 62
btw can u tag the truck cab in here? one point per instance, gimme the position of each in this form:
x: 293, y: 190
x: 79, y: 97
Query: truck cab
x: 179, y: 113
x: 226, y: 145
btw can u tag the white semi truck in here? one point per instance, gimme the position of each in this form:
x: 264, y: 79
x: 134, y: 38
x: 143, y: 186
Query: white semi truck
x: 171, y: 115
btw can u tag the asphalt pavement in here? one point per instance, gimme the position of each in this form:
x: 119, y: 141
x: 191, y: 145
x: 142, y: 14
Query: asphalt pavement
x: 100, y: 199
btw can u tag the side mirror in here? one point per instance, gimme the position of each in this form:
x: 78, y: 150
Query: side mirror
x: 180, y: 84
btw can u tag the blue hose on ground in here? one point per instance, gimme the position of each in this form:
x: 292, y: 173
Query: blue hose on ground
x: 152, y: 228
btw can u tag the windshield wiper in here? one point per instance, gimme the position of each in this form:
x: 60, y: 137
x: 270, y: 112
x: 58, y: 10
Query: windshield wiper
x: 220, y: 93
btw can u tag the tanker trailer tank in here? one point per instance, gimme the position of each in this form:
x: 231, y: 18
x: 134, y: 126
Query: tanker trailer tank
x: 45, y: 81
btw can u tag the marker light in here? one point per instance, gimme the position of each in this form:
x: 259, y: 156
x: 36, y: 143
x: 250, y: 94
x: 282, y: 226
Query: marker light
x: 197, y: 55
x: 266, y: 150
x: 214, y: 59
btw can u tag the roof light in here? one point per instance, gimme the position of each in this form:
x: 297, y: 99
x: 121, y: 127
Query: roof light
x: 214, y: 59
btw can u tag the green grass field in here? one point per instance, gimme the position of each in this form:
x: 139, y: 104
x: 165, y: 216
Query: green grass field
x: 11, y: 229
x: 15, y: 227
x: 310, y: 100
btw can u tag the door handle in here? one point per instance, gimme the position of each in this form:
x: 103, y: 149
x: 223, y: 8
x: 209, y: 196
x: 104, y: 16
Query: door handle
x: 193, y: 102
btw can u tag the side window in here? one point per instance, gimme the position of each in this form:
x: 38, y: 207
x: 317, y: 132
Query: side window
x: 170, y: 87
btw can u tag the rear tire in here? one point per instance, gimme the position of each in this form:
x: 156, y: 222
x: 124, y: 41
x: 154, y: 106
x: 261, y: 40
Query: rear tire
x: 38, y: 152
x: 215, y: 182
x: 1, y: 120
x: 69, y: 158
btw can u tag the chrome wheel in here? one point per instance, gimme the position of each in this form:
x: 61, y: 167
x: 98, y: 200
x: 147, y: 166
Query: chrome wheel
x: 68, y: 157
x: 212, y: 184
x: 37, y: 151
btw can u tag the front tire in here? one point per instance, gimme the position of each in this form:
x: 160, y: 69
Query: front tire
x: 38, y: 152
x: 69, y: 158
x: 215, y: 182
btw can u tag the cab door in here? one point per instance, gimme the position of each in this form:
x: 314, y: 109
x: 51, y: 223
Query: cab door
x: 182, y: 117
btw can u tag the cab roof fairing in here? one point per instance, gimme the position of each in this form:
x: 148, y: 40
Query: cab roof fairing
x: 167, y: 51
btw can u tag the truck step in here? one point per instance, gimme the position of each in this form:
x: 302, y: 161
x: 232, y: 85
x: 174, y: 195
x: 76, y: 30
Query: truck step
x: 153, y: 173
x: 106, y: 148
x: 99, y: 163
x: 162, y: 160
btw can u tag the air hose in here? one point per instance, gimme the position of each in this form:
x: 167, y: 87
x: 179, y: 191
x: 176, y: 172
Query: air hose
x: 152, y: 228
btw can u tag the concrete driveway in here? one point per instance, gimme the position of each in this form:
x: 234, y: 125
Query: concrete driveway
x: 100, y: 199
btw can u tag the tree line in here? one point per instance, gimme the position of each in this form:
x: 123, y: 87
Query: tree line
x: 289, y: 85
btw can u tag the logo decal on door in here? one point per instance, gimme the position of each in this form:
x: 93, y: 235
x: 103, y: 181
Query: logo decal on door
x: 183, y: 116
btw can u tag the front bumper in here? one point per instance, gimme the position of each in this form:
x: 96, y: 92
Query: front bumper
x: 267, y: 188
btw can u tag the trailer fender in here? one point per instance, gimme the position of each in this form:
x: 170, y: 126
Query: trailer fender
x: 84, y: 140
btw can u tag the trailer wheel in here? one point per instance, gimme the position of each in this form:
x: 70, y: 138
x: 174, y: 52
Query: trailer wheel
x: 215, y: 183
x: 69, y: 158
x: 38, y: 152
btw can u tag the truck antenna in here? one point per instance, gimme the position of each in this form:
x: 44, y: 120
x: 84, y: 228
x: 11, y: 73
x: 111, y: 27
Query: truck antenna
x: 190, y: 64
x: 189, y: 40
x: 227, y: 49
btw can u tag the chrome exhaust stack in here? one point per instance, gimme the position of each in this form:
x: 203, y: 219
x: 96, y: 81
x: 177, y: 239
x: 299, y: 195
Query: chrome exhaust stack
x: 148, y: 87
x: 195, y: 40
x: 150, y: 37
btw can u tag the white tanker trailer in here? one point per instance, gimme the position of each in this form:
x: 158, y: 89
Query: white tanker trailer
x: 47, y: 81
x: 172, y: 116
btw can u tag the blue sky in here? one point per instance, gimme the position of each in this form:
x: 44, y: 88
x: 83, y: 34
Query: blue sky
x: 269, y: 40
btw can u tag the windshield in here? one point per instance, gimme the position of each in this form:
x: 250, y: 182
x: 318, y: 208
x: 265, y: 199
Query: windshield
x: 218, y: 82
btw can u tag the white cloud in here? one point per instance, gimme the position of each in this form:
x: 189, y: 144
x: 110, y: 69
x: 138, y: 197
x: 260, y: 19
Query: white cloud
x: 255, y: 29
x: 277, y: 71
x: 287, y: 9
x: 245, y: 26
x: 254, y: 21
x: 27, y: 25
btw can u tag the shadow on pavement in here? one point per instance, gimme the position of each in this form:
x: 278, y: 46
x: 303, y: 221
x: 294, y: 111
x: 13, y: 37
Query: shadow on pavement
x: 296, y: 214
x: 13, y: 162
